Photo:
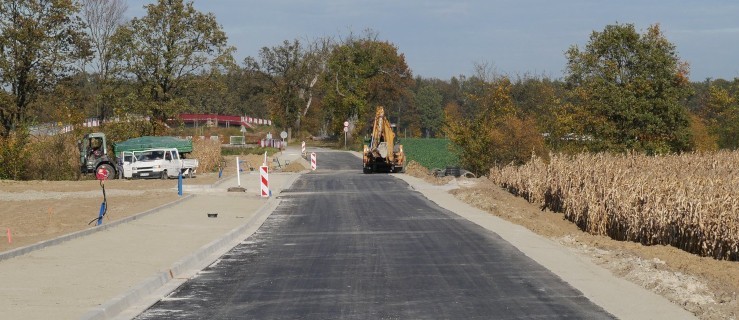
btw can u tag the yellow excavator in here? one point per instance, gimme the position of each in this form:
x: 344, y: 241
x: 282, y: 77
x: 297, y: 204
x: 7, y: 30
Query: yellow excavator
x: 382, y: 154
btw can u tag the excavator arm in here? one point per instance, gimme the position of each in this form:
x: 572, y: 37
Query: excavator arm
x: 383, y: 136
x: 382, y: 151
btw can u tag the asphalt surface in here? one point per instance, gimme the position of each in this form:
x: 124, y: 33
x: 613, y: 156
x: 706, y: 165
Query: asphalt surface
x: 345, y: 245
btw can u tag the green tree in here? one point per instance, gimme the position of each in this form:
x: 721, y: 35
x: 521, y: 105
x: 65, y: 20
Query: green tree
x: 294, y: 71
x: 430, y: 109
x: 363, y: 74
x: 165, y: 49
x: 633, y: 87
x: 495, y: 135
x: 721, y: 114
x: 40, y: 41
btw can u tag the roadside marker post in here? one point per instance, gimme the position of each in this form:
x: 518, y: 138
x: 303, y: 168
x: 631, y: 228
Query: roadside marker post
x: 264, y: 181
x: 101, y: 175
x: 313, y: 161
x: 302, y: 148
x: 103, y: 208
x: 179, y: 184
x: 238, y: 172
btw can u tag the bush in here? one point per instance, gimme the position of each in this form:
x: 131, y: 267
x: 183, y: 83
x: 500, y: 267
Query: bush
x: 13, y: 156
x: 53, y: 158
x: 495, y: 135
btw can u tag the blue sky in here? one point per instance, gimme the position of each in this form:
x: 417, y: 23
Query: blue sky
x: 442, y: 39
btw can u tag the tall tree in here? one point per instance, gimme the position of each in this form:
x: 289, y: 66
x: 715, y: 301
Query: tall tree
x: 721, y: 114
x: 494, y: 135
x: 40, y: 41
x: 102, y: 18
x: 429, y: 104
x: 633, y: 86
x: 364, y: 73
x: 294, y: 70
x: 166, y: 48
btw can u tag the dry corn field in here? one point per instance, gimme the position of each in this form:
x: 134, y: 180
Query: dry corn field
x: 687, y: 201
x: 208, y: 153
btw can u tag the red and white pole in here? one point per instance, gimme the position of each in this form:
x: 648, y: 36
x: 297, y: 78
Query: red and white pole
x: 313, y: 161
x: 264, y: 181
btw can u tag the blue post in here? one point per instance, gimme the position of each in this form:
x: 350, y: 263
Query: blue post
x: 102, y: 212
x: 179, y: 184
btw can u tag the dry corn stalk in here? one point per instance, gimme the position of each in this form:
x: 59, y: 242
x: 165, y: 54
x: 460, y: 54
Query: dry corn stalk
x: 208, y: 153
x: 688, y: 201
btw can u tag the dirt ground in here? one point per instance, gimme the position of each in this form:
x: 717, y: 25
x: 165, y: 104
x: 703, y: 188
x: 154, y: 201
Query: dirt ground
x: 34, y: 211
x: 704, y: 286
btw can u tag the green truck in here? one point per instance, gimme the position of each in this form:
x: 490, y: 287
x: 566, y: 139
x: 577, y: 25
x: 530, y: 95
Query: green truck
x: 94, y: 156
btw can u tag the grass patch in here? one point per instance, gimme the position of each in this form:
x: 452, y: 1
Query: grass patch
x: 431, y: 153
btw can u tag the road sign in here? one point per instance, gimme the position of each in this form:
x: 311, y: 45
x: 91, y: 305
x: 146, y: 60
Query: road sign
x: 346, y: 129
x: 346, y: 124
x: 283, y: 134
x: 102, y: 173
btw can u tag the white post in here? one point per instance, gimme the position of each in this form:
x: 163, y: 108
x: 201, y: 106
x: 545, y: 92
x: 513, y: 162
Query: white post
x: 265, y: 159
x: 238, y: 171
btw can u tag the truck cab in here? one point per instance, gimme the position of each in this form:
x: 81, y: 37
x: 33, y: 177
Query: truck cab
x: 93, y: 149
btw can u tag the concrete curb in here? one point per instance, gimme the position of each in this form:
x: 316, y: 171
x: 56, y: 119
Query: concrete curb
x: 163, y: 283
x: 51, y: 242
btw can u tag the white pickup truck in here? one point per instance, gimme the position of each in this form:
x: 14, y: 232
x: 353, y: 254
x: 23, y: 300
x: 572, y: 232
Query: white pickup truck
x: 161, y: 163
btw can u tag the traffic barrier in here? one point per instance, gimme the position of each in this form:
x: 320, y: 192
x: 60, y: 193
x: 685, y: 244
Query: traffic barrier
x: 313, y: 161
x: 264, y: 181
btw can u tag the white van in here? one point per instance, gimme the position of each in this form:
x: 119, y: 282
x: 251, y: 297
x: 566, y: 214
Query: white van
x: 163, y: 163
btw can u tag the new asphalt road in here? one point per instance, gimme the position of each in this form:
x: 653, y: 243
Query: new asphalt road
x: 347, y: 245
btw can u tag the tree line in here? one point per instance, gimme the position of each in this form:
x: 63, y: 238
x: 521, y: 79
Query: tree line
x: 66, y: 60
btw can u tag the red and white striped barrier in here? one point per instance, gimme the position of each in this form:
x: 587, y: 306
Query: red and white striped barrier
x: 302, y: 148
x: 264, y: 181
x: 313, y: 161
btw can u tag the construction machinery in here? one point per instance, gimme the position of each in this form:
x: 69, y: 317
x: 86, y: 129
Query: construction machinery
x: 383, y: 154
x: 94, y: 156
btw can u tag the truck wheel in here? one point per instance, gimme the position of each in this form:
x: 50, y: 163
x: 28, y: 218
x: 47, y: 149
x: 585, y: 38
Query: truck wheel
x: 367, y: 170
x: 110, y: 169
x: 164, y: 176
x: 189, y: 173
